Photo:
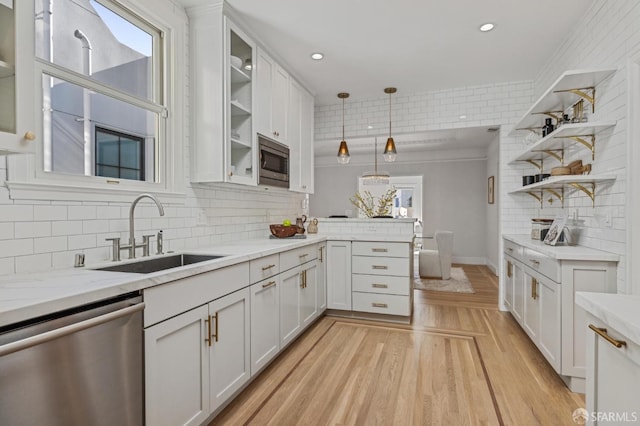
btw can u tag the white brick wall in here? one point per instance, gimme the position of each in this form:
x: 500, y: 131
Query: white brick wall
x: 37, y: 237
x: 608, y: 33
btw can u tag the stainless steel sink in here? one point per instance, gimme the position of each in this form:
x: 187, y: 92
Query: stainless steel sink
x: 160, y: 263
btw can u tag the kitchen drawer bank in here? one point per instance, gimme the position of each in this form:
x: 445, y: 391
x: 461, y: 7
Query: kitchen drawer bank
x: 370, y: 277
x: 207, y: 336
x: 540, y: 283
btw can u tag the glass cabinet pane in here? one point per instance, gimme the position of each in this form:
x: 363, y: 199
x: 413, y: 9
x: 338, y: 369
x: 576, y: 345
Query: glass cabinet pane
x: 7, y: 67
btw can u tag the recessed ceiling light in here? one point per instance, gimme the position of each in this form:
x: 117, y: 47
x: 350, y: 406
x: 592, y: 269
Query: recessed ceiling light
x: 317, y: 56
x: 486, y: 27
x: 462, y: 117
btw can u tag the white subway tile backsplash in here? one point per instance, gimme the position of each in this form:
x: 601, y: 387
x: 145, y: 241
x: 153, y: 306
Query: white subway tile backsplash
x: 49, y: 244
x: 48, y: 212
x: 32, y: 229
x: 11, y: 248
x: 33, y: 263
x: 16, y: 213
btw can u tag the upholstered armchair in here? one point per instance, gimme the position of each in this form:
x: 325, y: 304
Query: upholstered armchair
x: 437, y: 263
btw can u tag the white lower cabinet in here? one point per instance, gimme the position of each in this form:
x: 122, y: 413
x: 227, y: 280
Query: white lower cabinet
x: 541, y: 319
x: 290, y: 324
x: 265, y: 322
x: 321, y: 276
x: 207, y: 334
x: 309, y: 294
x: 613, y: 376
x: 298, y: 300
x: 177, y: 370
x: 543, y: 286
x: 229, y: 355
x: 339, y: 275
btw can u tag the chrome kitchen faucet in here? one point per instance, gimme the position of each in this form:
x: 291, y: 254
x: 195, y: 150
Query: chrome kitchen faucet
x: 132, y: 246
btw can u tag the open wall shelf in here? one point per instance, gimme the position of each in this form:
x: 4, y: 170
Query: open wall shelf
x: 569, y: 88
x: 563, y: 138
x: 561, y: 186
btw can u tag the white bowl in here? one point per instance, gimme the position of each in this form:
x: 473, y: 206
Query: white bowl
x: 236, y: 62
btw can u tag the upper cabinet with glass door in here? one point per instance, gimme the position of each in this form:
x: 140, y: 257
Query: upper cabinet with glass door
x: 222, y: 92
x: 17, y: 117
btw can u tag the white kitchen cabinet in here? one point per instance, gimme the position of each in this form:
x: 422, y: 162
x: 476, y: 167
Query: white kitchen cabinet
x: 309, y: 293
x: 321, y: 276
x: 18, y: 130
x: 613, y: 357
x: 176, y: 369
x: 223, y: 147
x: 265, y: 322
x: 339, y: 275
x: 230, y: 351
x: 272, y: 88
x: 545, y: 280
x: 531, y: 317
x: 518, y: 293
x: 290, y: 323
x: 300, y: 138
x: 613, y: 378
x: 381, y: 280
x: 508, y: 284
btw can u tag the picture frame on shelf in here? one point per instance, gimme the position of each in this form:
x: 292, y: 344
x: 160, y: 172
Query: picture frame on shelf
x: 491, y: 190
x: 555, y: 230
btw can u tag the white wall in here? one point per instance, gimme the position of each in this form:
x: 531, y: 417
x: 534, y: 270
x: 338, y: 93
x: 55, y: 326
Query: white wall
x: 454, y: 196
x: 493, y: 210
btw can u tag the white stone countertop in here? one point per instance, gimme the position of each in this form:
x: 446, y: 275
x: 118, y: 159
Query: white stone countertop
x: 26, y: 296
x: 364, y: 219
x: 619, y: 311
x: 390, y: 238
x: 562, y: 252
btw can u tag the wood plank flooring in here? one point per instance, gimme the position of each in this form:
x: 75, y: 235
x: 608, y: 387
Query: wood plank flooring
x: 461, y: 361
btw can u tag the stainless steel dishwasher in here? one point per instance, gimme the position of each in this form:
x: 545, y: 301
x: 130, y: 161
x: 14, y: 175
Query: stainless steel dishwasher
x: 83, y: 366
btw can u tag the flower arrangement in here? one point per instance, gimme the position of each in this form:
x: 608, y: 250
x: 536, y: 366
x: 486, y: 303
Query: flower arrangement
x: 367, y: 204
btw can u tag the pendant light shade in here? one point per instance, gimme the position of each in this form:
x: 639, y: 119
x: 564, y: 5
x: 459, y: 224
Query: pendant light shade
x: 390, y: 148
x: 375, y: 177
x: 343, y: 150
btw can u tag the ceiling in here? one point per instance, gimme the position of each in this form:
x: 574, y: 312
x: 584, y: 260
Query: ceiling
x: 414, y: 45
x: 410, y: 44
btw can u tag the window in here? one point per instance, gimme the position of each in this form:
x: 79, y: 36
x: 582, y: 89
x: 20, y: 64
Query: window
x: 100, y: 67
x: 119, y: 155
x: 105, y: 66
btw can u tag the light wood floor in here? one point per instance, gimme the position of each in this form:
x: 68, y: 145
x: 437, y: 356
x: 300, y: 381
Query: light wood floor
x: 461, y: 361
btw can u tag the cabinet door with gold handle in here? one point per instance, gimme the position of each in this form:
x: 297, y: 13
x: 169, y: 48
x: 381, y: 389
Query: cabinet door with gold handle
x: 208, y: 338
x: 214, y: 336
x: 534, y: 288
x: 602, y: 332
x: 509, y: 269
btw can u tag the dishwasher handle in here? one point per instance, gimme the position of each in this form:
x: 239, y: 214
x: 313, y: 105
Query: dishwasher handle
x: 68, y: 329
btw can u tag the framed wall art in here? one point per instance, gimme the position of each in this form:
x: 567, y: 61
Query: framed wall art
x: 491, y: 190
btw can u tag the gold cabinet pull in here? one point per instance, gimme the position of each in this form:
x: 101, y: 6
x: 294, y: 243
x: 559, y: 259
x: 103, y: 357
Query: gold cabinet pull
x: 534, y: 288
x: 535, y: 262
x: 379, y: 267
x: 602, y: 332
x: 379, y: 250
x: 303, y: 255
x: 321, y: 250
x: 509, y: 269
x: 379, y: 305
x: 303, y: 280
x: 379, y: 285
x: 266, y: 268
x: 208, y: 338
x: 269, y: 284
x: 509, y: 249
x: 215, y: 335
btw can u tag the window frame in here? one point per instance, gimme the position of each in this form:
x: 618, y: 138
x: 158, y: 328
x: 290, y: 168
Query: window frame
x: 26, y: 176
x: 120, y: 135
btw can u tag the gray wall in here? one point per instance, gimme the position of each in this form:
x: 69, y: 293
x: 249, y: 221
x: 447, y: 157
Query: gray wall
x: 454, y: 198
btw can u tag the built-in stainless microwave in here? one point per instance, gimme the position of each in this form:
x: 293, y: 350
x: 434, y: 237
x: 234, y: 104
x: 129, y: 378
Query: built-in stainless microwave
x: 274, y: 163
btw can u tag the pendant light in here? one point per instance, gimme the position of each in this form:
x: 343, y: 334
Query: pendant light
x: 343, y: 151
x: 375, y: 177
x: 390, y: 148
